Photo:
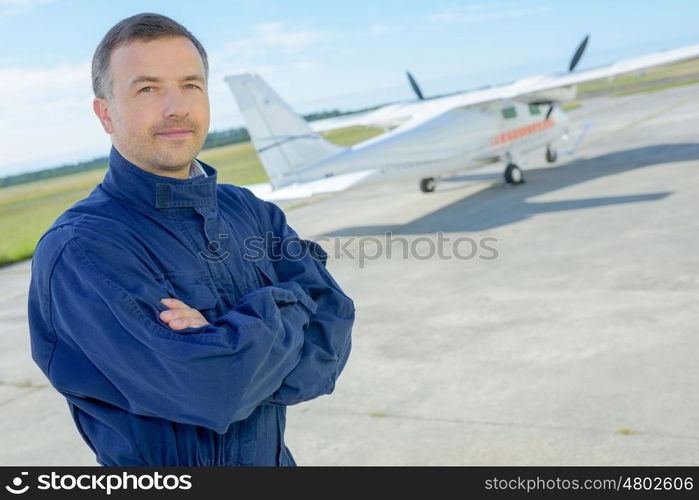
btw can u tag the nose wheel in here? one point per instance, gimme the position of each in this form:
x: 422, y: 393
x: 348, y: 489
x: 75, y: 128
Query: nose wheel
x: 513, y: 174
x: 428, y: 184
x: 551, y: 155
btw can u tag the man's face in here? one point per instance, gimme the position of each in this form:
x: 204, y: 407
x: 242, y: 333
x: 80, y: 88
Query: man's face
x: 158, y: 109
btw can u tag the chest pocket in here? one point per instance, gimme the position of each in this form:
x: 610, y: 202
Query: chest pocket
x: 265, y: 272
x: 193, y: 289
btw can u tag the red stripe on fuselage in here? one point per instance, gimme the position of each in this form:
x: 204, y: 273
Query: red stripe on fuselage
x: 517, y: 133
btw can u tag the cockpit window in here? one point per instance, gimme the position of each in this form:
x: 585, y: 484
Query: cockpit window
x: 534, y: 109
x: 509, y: 112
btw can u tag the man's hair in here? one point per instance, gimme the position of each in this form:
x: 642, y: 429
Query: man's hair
x: 142, y: 27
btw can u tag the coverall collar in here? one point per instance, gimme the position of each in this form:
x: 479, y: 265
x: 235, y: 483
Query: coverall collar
x: 137, y: 186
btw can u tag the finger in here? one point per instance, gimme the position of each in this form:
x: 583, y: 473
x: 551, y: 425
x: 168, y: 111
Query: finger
x: 174, y: 303
x: 172, y: 314
x: 180, y: 324
x: 183, y: 315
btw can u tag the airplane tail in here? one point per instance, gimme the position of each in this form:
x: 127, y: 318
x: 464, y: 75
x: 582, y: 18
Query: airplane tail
x: 283, y: 140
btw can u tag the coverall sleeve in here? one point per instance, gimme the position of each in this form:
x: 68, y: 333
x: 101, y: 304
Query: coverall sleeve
x: 105, y: 303
x: 327, y: 341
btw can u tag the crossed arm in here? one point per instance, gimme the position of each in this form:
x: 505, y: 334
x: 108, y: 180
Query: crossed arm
x: 100, y: 332
x: 326, y: 338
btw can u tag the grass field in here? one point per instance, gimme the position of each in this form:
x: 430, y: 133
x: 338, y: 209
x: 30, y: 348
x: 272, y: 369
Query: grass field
x: 681, y: 70
x: 27, y: 210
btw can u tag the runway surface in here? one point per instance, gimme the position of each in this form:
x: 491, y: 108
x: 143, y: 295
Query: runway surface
x: 576, y: 344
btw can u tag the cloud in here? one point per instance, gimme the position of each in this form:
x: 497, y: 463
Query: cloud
x: 224, y: 111
x: 267, y: 37
x: 21, y: 83
x: 291, y: 42
x: 257, y: 53
x: 484, y: 12
x: 22, y: 3
x: 11, y: 7
x: 378, y: 29
x: 46, y: 113
x: 217, y: 84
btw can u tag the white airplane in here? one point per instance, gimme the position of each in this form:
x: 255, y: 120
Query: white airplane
x: 428, y: 139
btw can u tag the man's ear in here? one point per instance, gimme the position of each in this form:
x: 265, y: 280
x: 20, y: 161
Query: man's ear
x: 101, y: 108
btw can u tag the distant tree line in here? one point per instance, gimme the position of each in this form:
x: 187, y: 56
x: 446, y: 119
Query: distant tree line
x: 47, y: 173
x: 226, y: 137
x: 213, y: 140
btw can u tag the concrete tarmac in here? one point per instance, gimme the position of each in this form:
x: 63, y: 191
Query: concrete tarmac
x: 569, y: 337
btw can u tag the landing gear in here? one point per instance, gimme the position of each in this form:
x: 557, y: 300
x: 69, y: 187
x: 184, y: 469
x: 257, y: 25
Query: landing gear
x: 513, y: 174
x: 551, y: 155
x: 428, y: 184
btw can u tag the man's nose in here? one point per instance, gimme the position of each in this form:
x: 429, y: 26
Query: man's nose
x: 175, y: 103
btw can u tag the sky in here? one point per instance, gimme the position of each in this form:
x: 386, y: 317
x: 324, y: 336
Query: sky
x: 316, y: 55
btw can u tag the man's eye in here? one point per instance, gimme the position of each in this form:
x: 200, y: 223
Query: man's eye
x: 147, y: 90
x: 192, y: 86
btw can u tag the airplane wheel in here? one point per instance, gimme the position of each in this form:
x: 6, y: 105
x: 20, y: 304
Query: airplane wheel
x: 513, y: 174
x: 427, y: 185
x: 551, y: 155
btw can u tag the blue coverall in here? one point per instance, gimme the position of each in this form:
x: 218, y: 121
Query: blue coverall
x: 141, y: 393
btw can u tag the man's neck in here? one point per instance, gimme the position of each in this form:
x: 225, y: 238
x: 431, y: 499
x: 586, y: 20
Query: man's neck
x: 175, y: 173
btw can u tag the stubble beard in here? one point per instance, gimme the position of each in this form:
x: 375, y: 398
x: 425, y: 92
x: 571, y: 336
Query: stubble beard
x: 178, y: 155
x: 156, y: 155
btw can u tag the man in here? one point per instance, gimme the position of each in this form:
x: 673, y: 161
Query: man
x: 179, y: 317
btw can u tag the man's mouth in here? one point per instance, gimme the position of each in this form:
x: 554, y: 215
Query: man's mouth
x: 175, y: 133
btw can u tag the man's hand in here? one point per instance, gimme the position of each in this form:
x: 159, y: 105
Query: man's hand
x: 180, y: 315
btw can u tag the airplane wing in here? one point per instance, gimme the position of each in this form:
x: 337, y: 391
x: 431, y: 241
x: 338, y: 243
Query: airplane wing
x: 536, y: 87
x: 386, y: 117
x: 307, y: 189
x: 547, y: 87
x: 336, y: 122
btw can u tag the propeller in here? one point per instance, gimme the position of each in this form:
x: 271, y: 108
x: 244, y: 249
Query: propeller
x: 578, y: 53
x: 548, y: 113
x: 544, y: 103
x: 415, y: 86
x: 573, y: 63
